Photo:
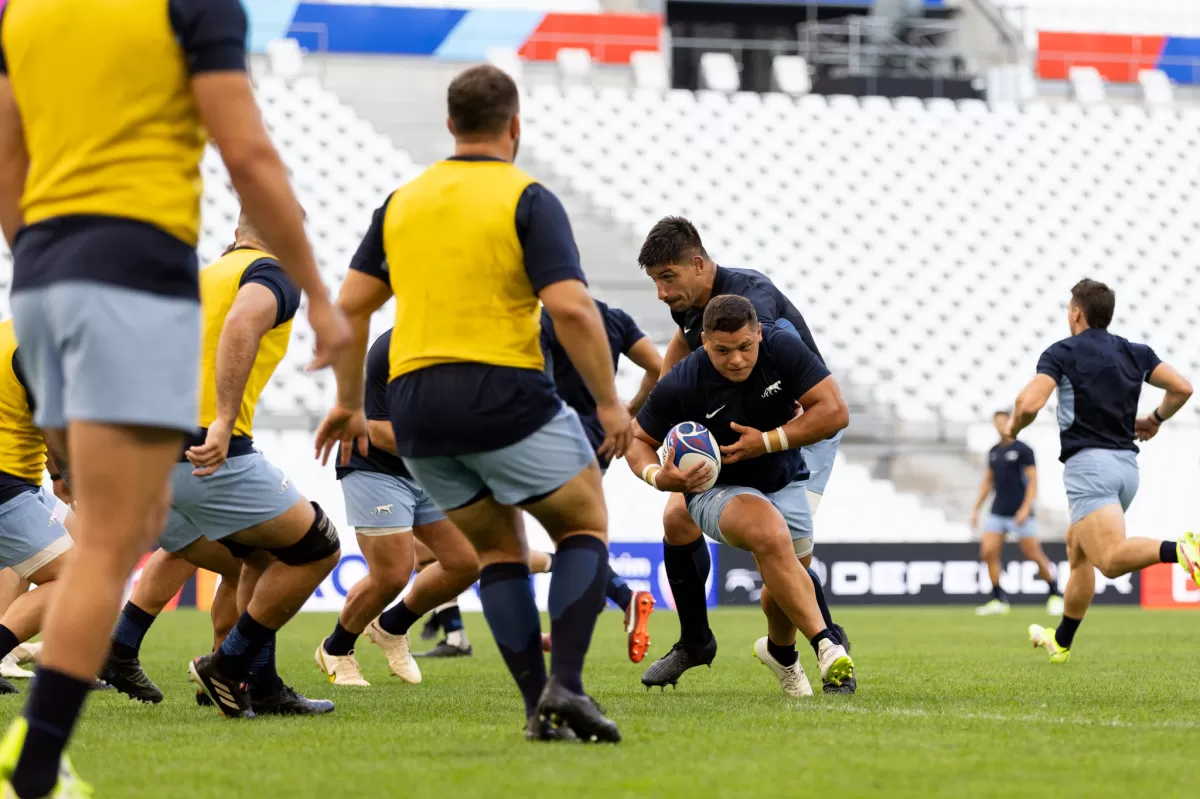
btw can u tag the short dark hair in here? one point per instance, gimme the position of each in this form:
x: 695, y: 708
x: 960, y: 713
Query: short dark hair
x: 670, y: 240
x: 481, y: 101
x: 1096, y: 300
x: 729, y: 313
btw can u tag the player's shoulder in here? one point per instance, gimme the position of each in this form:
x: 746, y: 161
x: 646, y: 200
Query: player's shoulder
x: 741, y: 279
x: 1022, y: 447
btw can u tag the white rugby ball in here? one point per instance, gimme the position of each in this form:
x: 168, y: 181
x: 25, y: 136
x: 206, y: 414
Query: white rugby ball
x: 694, y: 444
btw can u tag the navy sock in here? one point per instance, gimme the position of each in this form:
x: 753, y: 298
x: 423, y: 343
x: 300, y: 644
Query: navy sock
x: 1168, y: 552
x: 821, y: 603
x: 8, y: 641
x: 341, y: 641
x: 998, y: 593
x: 786, y: 655
x: 576, y: 599
x: 511, y: 612
x: 241, y: 646
x: 1065, y: 634
x: 131, y: 628
x: 825, y: 634
x: 55, y: 702
x: 262, y: 669
x: 398, y: 619
x: 450, y: 620
x: 617, y: 590
x: 687, y: 571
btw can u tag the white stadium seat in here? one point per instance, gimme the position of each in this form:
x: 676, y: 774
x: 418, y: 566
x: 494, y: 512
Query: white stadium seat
x: 649, y: 70
x: 1087, y: 85
x: 574, y: 64
x: 506, y: 58
x: 1156, y: 88
x: 719, y: 72
x: 285, y: 58
x: 790, y: 73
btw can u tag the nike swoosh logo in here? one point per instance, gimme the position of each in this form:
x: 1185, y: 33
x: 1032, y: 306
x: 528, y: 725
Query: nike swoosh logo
x: 714, y: 413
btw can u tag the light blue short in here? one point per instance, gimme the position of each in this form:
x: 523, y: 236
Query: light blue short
x: 374, y: 500
x: 27, y: 527
x: 245, y: 491
x: 819, y: 457
x: 791, y: 501
x: 1098, y: 477
x: 99, y: 353
x: 528, y: 470
x: 1008, y: 525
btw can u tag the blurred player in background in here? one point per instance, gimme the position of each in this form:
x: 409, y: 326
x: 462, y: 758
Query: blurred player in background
x: 388, y: 510
x: 745, y: 383
x: 673, y: 256
x: 1099, y: 379
x: 99, y: 200
x: 1012, y: 475
x: 624, y: 338
x: 469, y: 248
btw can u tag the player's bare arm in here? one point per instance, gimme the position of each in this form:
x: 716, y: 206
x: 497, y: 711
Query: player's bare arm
x: 1031, y: 490
x: 581, y: 333
x: 251, y: 317
x: 382, y: 435
x: 226, y: 104
x: 642, y: 457
x: 644, y: 354
x: 677, y: 350
x: 825, y: 413
x: 1031, y: 400
x: 14, y: 163
x: 1178, y: 391
x: 985, y: 490
x: 360, y: 296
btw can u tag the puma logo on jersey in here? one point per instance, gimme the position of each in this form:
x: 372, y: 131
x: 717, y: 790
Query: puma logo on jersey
x: 774, y: 388
x: 284, y: 485
x: 382, y: 509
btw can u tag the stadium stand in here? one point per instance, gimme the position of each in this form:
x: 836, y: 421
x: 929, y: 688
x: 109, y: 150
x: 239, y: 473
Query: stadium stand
x: 931, y: 244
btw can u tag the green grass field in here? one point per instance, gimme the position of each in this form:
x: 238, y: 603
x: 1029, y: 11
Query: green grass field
x: 948, y: 705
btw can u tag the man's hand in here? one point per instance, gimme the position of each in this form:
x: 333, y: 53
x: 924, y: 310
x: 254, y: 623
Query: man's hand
x: 750, y: 445
x: 673, y: 479
x: 209, y: 456
x: 63, y: 492
x: 346, y: 427
x: 614, y: 418
x: 1022, y: 516
x: 975, y: 519
x: 1145, y: 428
x: 331, y: 329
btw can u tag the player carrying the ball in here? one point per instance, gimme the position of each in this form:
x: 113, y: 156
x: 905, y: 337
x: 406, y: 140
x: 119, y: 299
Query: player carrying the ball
x: 744, y: 384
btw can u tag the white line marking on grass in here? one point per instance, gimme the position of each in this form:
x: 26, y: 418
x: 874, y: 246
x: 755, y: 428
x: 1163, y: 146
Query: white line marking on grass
x: 1024, y: 718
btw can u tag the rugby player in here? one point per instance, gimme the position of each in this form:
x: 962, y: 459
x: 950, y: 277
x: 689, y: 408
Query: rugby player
x: 673, y: 256
x: 1012, y: 475
x: 34, y: 542
x: 388, y: 509
x: 745, y: 383
x: 624, y: 338
x: 470, y: 247
x: 99, y: 199
x: 1098, y: 377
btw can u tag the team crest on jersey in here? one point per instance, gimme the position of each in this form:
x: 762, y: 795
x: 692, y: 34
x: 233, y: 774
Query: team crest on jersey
x: 380, y: 510
x: 774, y: 388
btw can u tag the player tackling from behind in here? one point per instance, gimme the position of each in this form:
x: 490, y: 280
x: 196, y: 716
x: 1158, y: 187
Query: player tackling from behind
x: 100, y: 201
x: 1012, y: 475
x: 1098, y: 377
x: 468, y: 249
x: 744, y: 385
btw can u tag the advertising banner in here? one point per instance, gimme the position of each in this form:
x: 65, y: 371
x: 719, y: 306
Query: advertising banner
x: 1168, y: 586
x: 919, y: 574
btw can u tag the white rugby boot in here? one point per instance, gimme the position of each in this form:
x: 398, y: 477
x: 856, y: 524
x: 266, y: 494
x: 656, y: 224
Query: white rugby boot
x: 340, y: 669
x: 399, y: 655
x: 792, y: 679
x: 834, y: 660
x: 27, y: 653
x: 10, y: 670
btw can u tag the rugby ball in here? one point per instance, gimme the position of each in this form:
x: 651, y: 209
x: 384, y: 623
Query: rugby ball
x: 693, y: 444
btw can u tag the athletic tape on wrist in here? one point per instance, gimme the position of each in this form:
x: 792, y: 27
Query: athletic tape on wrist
x: 650, y: 474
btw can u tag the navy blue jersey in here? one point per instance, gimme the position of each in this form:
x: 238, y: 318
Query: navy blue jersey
x: 694, y: 391
x: 1099, y: 379
x: 375, y: 403
x: 769, y: 303
x: 1008, y: 465
x: 622, y: 332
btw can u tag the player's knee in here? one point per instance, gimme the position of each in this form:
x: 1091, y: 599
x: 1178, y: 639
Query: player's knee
x: 1109, y: 568
x: 318, y: 546
x: 678, y: 526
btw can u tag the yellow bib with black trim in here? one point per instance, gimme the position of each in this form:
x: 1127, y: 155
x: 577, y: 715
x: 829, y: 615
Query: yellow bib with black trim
x: 457, y: 269
x: 219, y: 285
x: 22, y: 448
x: 105, y: 100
